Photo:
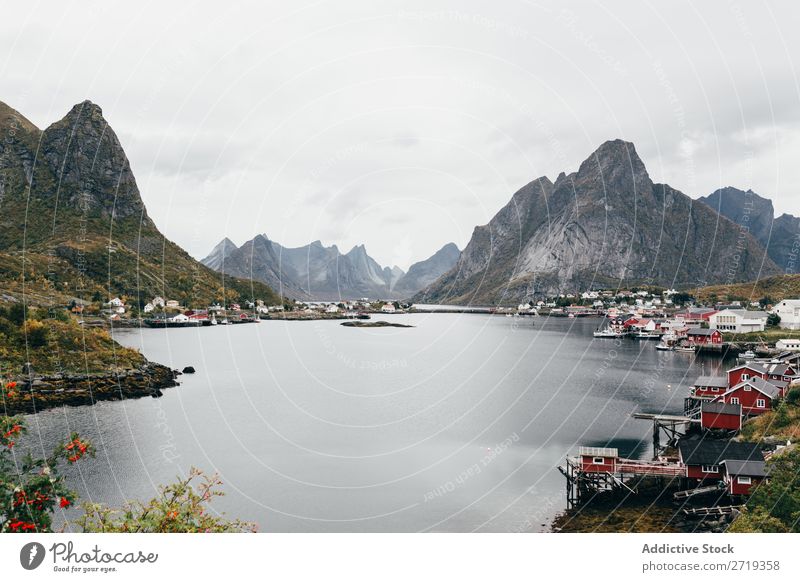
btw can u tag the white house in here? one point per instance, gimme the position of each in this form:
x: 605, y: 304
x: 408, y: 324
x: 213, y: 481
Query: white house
x: 738, y: 320
x: 789, y: 312
x: 149, y: 307
x: 116, y: 302
x: 788, y: 345
x: 332, y: 308
x: 179, y: 318
x: 388, y: 308
x: 158, y: 302
x: 173, y: 304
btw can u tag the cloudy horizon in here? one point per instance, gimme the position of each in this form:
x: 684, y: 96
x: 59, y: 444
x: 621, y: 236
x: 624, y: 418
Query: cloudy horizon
x: 402, y: 127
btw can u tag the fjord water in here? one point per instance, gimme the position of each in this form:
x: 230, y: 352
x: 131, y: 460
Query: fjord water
x: 456, y: 424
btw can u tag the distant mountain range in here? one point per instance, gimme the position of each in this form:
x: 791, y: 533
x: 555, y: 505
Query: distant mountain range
x: 317, y: 272
x: 606, y: 225
x: 780, y: 236
x: 73, y: 224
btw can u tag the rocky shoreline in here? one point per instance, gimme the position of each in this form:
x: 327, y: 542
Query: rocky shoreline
x: 36, y: 393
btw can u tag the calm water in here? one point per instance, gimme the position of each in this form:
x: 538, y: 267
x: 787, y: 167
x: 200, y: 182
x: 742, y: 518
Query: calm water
x: 455, y: 425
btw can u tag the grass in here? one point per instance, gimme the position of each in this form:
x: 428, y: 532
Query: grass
x: 54, y: 342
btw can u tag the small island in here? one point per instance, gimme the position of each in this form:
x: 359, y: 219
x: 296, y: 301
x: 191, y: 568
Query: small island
x: 359, y: 323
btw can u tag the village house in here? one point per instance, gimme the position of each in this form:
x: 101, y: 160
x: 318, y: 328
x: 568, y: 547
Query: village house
x: 755, y: 395
x: 172, y: 304
x: 788, y: 345
x: 179, y: 318
x: 116, y: 302
x: 789, y: 312
x: 704, y: 337
x: 740, y: 477
x: 739, y: 321
x: 388, y: 308
x: 780, y: 374
x: 149, y: 307
x: 158, y: 302
x: 703, y: 458
x: 332, y: 308
x: 696, y: 316
x: 710, y: 386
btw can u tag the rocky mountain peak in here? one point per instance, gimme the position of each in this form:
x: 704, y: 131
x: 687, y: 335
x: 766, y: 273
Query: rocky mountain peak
x: 615, y: 165
x: 91, y: 167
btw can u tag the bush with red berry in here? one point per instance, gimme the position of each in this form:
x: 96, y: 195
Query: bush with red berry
x: 31, y: 488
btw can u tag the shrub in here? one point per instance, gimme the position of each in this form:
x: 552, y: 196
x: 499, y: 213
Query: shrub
x: 30, y: 489
x: 181, y: 507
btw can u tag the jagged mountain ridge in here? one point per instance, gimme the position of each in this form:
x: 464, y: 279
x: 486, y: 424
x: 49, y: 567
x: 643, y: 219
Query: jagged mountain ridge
x: 605, y: 225
x: 781, y: 235
x: 72, y: 220
x: 317, y: 272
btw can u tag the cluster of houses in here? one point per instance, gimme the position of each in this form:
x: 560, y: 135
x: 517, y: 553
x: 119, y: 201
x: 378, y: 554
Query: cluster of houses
x: 750, y: 389
x: 353, y: 308
x: 706, y: 458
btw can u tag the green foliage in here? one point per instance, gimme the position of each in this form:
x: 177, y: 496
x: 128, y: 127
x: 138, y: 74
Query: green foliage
x: 57, y: 344
x: 31, y: 488
x: 181, y: 507
x: 775, y: 506
x: 773, y: 320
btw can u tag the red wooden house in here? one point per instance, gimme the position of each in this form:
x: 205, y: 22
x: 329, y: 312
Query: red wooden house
x: 702, y: 458
x: 775, y: 373
x: 754, y: 395
x: 720, y: 416
x: 710, y: 386
x: 740, y: 477
x: 704, y: 337
x: 598, y: 459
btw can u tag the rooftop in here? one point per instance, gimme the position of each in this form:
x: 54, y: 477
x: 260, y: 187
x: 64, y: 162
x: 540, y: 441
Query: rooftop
x: 713, y: 452
x: 745, y: 468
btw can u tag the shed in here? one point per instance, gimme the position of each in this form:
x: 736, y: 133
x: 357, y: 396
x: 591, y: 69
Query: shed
x: 598, y: 459
x: 719, y: 415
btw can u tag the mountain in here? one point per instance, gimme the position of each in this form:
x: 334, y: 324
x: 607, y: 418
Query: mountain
x: 781, y: 236
x: 73, y: 224
x: 219, y: 253
x: 606, y: 225
x: 423, y: 273
x: 317, y: 272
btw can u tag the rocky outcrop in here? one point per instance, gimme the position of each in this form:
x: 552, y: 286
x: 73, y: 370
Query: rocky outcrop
x: 37, y: 393
x: 606, y: 225
x: 781, y: 236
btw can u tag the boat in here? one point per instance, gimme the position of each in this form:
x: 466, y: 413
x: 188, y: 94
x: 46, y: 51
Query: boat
x: 661, y: 346
x: 647, y: 335
x: 748, y: 355
x: 686, y: 349
x: 606, y: 333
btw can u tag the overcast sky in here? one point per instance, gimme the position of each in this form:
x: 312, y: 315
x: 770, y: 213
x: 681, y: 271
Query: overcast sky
x: 402, y: 125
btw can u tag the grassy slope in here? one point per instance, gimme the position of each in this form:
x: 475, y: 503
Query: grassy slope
x: 58, y: 345
x: 776, y: 288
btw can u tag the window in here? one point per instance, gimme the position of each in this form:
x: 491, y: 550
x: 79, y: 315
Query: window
x: 745, y: 377
x: 598, y: 461
x: 734, y: 400
x: 710, y: 469
x: 761, y: 403
x: 714, y: 388
x: 747, y: 389
x: 743, y: 480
